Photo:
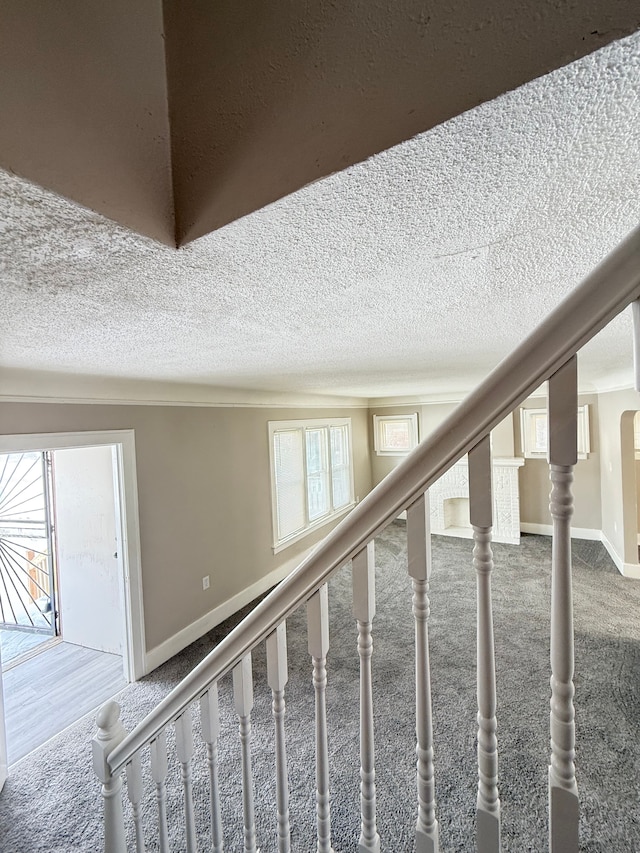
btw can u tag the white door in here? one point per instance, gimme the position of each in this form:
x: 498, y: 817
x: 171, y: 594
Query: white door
x: 3, y: 734
x: 91, y: 612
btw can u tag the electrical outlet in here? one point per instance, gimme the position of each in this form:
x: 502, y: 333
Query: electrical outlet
x: 205, y: 582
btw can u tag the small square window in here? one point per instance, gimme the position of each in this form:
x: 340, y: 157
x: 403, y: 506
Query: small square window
x: 534, y: 429
x: 395, y: 435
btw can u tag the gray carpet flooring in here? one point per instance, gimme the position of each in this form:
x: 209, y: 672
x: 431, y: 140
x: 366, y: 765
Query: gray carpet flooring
x: 51, y: 801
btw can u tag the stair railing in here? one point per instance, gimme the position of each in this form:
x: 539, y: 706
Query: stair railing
x: 549, y: 353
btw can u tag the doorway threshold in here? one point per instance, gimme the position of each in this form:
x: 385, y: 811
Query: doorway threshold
x: 30, y: 653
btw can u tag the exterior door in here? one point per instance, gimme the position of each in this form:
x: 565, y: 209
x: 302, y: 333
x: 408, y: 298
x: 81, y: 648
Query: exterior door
x: 91, y: 612
x: 27, y: 577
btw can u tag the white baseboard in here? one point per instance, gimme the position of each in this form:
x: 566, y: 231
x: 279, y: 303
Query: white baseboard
x: 627, y: 570
x: 166, y: 650
x: 576, y: 532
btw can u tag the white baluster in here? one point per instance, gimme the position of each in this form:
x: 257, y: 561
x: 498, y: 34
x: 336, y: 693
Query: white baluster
x: 419, y: 559
x: 134, y: 793
x: 184, y: 751
x: 277, y: 677
x: 318, y: 626
x: 243, y: 700
x: 480, y: 510
x: 210, y: 719
x: 563, y: 792
x: 635, y: 309
x: 110, y: 733
x: 159, y: 767
x: 364, y: 609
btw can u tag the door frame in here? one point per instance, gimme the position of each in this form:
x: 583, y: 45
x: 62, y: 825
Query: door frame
x: 127, y: 524
x: 4, y: 765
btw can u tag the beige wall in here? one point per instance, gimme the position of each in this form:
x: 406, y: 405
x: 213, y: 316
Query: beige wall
x: 618, y: 483
x: 268, y: 97
x: 429, y: 417
x: 204, y: 495
x: 204, y: 490
x: 637, y: 468
x: 534, y: 475
x: 265, y: 98
x: 84, y: 106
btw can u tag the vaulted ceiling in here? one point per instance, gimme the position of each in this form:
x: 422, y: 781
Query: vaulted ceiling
x: 450, y: 216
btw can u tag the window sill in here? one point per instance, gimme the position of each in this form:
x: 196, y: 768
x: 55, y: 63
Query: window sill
x: 545, y: 458
x: 297, y: 537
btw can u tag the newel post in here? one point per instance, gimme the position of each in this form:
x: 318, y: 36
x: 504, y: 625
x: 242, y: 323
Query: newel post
x: 110, y: 733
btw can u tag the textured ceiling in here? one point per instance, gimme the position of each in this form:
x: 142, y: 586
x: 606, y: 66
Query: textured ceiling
x: 411, y: 273
x: 176, y: 117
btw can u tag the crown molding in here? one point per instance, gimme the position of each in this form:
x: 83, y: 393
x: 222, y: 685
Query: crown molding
x: 25, y: 386
x: 20, y: 386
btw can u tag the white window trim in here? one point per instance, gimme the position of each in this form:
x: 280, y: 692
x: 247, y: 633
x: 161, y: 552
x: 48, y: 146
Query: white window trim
x: 334, y: 515
x: 378, y: 420
x: 584, y: 440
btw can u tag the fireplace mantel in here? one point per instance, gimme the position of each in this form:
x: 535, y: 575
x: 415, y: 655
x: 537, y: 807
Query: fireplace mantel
x: 449, y: 494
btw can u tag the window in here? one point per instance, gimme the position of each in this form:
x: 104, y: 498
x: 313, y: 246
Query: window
x: 395, y: 435
x: 311, y: 475
x: 534, y: 428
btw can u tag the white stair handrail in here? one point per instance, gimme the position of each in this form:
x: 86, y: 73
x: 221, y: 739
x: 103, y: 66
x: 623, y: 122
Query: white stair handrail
x: 613, y: 285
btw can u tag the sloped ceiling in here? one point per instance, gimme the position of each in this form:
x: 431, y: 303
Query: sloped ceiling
x: 175, y: 119
x: 410, y: 273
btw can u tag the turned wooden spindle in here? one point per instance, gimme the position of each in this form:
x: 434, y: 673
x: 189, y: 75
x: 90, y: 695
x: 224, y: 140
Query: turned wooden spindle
x: 159, y: 768
x: 481, y: 517
x: 243, y: 701
x: 184, y: 751
x: 210, y: 722
x: 364, y: 608
x: 563, y: 455
x: 277, y: 677
x: 318, y: 627
x: 134, y: 794
x: 419, y: 560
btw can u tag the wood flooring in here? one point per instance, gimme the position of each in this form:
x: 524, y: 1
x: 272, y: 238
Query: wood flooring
x: 18, y: 645
x: 52, y: 690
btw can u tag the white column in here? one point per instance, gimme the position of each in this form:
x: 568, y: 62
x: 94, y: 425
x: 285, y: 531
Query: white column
x: 563, y: 792
x: 110, y: 733
x: 277, y: 677
x: 480, y: 510
x: 364, y: 609
x: 210, y: 720
x: 134, y: 793
x: 184, y: 751
x: 318, y: 627
x: 159, y: 767
x: 635, y: 308
x: 419, y: 558
x: 243, y: 700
